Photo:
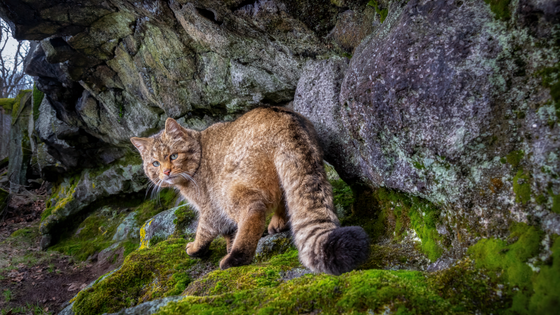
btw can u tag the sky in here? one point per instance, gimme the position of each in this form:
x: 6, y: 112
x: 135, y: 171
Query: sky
x: 11, y: 47
x: 8, y: 56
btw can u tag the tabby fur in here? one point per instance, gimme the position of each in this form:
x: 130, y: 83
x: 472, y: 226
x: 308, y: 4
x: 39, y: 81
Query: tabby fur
x: 234, y: 173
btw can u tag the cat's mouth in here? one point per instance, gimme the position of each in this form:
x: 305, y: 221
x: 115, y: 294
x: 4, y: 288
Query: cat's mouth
x: 170, y: 179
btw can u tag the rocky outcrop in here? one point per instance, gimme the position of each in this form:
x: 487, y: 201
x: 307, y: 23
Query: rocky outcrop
x: 449, y: 101
x: 113, y: 70
x: 74, y: 194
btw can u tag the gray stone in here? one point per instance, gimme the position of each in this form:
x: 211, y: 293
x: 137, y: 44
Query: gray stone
x: 107, y: 253
x: 433, y: 102
x: 20, y: 145
x: 5, y: 123
x: 273, y: 244
x: 48, y: 128
x: 317, y: 98
x: 127, y: 227
x: 67, y: 310
x: 46, y: 240
x: 150, y: 307
x: 352, y: 27
x: 160, y: 226
x: 57, y: 50
x: 294, y: 273
x: 440, y: 264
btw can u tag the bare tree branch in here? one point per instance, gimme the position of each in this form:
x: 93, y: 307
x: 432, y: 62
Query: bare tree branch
x: 12, y: 77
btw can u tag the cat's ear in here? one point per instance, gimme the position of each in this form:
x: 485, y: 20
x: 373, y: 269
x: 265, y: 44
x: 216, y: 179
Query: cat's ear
x: 173, y: 129
x: 141, y: 144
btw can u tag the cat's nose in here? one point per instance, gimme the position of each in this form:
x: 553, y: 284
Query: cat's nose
x: 166, y: 172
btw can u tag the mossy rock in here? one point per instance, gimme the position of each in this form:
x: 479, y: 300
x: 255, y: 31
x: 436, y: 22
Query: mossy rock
x: 356, y: 292
x: 533, y: 278
x: 146, y: 274
x: 7, y: 104
x: 17, y: 107
x: 93, y: 235
x: 386, y: 213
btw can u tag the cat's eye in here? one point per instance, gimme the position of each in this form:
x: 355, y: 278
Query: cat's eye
x: 156, y: 164
x: 174, y: 156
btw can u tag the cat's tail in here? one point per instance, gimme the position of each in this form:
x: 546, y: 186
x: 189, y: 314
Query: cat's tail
x: 323, y: 245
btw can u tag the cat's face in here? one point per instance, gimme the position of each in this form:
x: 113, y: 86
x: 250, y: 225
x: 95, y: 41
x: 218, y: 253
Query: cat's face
x: 170, y: 157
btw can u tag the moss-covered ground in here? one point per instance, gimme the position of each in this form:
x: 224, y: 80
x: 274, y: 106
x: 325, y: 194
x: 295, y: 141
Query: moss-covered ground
x: 516, y: 275
x: 529, y: 263
x: 159, y: 271
x: 494, y: 278
x: 95, y: 232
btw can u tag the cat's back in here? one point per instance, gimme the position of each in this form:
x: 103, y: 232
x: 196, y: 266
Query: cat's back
x: 254, y: 140
x: 271, y: 124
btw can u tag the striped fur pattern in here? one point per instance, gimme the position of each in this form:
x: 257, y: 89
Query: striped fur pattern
x: 235, y: 173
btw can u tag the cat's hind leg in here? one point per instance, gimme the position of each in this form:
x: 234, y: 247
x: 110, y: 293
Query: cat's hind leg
x: 279, y: 221
x: 250, y: 227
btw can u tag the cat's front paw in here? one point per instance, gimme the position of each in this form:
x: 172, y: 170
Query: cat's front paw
x: 235, y: 259
x: 196, y: 251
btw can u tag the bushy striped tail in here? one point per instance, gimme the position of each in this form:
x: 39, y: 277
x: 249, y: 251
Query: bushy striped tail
x: 323, y: 245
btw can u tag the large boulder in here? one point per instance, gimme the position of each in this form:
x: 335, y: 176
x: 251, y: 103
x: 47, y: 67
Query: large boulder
x: 452, y: 101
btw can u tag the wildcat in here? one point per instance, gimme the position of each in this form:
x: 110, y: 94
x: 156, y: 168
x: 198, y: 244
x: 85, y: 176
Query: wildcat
x: 234, y: 173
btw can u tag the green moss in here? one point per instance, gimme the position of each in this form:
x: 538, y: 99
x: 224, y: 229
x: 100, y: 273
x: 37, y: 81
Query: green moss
x: 278, y: 246
x: 26, y: 236
x: 184, y: 216
x: 500, y: 8
x: 94, y: 234
x: 357, y: 292
x: 522, y: 187
x: 145, y: 275
x: 265, y: 274
x: 469, y: 290
x: 17, y: 104
x: 343, y: 197
x: 507, y: 261
x: 411, y: 212
x: 514, y: 158
x: 37, y: 99
x: 62, y: 194
x: 546, y: 285
x: 418, y: 165
x: 7, y: 104
x: 382, y: 12
x: 129, y: 246
x: 551, y: 79
x: 155, y: 239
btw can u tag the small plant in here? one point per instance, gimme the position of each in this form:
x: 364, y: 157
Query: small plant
x: 382, y: 12
x: 7, y: 295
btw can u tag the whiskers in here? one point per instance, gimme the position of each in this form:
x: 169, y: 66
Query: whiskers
x: 156, y: 189
x: 188, y: 177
